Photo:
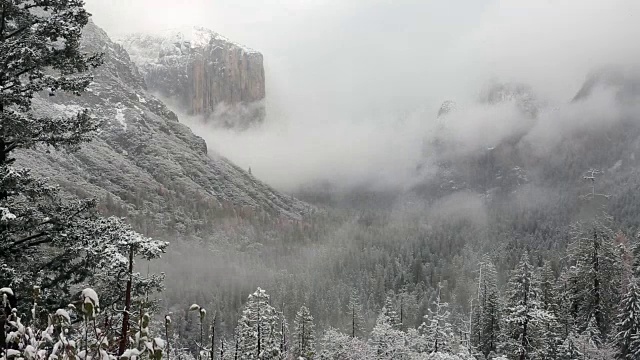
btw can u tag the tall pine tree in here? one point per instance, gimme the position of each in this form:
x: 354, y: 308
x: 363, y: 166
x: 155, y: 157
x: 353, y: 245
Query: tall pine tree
x: 259, y: 335
x: 524, y: 313
x: 304, y: 340
x: 628, y: 324
x: 598, y: 274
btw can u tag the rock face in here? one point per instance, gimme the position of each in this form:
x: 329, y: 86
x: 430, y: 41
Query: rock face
x: 145, y: 164
x: 204, y: 72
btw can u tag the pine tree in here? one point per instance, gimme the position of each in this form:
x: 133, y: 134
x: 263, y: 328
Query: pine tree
x: 389, y: 310
x: 549, y: 326
x: 437, y: 329
x: 304, y: 335
x: 491, y: 320
x: 387, y: 341
x: 564, y: 302
x: 628, y: 324
x: 598, y: 274
x: 486, y: 317
x: 524, y: 313
x: 569, y: 350
x: 259, y: 328
x: 354, y: 310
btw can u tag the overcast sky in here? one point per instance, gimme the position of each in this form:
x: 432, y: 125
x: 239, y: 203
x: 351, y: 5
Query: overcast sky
x: 341, y: 62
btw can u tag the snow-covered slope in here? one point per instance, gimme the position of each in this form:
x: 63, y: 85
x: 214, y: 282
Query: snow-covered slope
x: 146, y: 164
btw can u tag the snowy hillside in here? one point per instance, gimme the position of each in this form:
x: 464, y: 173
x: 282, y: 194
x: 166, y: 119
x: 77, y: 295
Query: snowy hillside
x: 146, y: 164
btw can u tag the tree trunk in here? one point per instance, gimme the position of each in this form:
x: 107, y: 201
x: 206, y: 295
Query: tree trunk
x: 127, y: 307
x: 213, y: 337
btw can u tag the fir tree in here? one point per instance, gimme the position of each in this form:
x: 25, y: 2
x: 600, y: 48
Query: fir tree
x: 437, y: 329
x: 628, y: 324
x: 569, y: 350
x: 598, y: 274
x: 549, y: 326
x: 387, y: 341
x: 564, y: 302
x: 486, y: 318
x: 389, y: 310
x: 524, y: 313
x: 259, y: 328
x: 354, y: 312
x: 304, y: 335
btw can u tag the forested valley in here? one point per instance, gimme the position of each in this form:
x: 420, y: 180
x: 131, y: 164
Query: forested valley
x: 500, y: 253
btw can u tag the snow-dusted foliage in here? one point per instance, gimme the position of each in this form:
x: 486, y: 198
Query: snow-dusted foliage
x: 47, y: 238
x: 524, y: 314
x: 437, y: 328
x: 75, y: 333
x: 259, y: 331
x: 354, y: 312
x: 387, y: 341
x: 628, y: 325
x: 303, y: 342
x: 597, y: 277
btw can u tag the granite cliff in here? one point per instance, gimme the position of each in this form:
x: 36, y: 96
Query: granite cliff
x: 205, y: 73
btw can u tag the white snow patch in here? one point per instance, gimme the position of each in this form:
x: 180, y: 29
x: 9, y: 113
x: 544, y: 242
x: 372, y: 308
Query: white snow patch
x: 120, y: 118
x: 6, y: 215
x: 6, y: 290
x: 141, y: 99
x: 68, y: 110
x: 64, y: 314
x: 91, y: 294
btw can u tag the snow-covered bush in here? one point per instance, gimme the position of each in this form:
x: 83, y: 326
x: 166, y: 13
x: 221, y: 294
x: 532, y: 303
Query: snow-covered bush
x: 78, y: 332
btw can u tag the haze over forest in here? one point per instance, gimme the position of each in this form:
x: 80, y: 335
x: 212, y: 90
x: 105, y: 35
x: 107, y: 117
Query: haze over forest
x: 319, y: 179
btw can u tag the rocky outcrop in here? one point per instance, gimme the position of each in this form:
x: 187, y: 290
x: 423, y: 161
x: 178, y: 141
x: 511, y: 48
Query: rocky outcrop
x: 204, y: 72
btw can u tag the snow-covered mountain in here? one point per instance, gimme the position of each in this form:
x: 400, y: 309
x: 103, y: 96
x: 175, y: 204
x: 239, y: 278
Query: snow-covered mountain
x: 205, y: 73
x: 146, y: 164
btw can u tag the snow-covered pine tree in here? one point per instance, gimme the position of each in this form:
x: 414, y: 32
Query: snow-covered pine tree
x: 628, y: 325
x: 491, y: 322
x: 566, y: 308
x: 598, y: 273
x: 336, y: 345
x: 549, y: 326
x: 569, y: 349
x: 259, y: 329
x: 485, y: 327
x: 389, y: 310
x: 388, y: 342
x: 284, y: 330
x: 354, y: 311
x: 304, y: 340
x: 437, y: 329
x: 523, y: 313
